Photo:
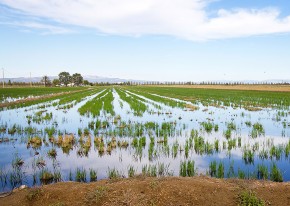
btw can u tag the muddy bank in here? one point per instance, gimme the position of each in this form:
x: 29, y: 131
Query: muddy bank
x: 151, y: 191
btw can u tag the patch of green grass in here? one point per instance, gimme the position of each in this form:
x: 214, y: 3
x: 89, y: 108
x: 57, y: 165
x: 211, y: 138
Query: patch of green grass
x: 249, y: 198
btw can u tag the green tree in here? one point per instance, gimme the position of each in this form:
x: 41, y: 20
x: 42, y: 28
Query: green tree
x: 86, y: 82
x: 46, y: 81
x: 55, y: 82
x: 64, y: 78
x: 77, y: 79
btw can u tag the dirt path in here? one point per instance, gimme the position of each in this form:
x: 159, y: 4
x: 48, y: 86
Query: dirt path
x: 275, y: 88
x: 151, y: 191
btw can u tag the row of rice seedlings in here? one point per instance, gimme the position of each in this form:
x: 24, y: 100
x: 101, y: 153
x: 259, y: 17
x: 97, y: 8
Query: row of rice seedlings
x: 40, y: 117
x: 233, y: 98
x: 187, y: 168
x: 136, y: 105
x: 216, y: 170
x: 208, y: 126
x: 111, y: 145
x: 108, y: 103
x: 93, y: 106
x: 156, y: 170
x: 161, y: 99
x: 262, y: 173
x: 76, y: 97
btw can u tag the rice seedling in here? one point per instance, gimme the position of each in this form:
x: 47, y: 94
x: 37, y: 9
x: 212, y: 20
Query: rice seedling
x: 275, y: 152
x: 248, y: 123
x: 262, y: 172
x: 57, y: 176
x: 81, y: 175
x: 248, y: 156
x: 241, y: 174
x: 232, y: 143
x: 50, y: 131
x: 34, y: 142
x: 40, y: 163
x: 46, y: 176
x: 186, y: 149
x: 216, y: 127
x: 52, y: 153
x: 263, y: 154
x: 175, y: 149
x: 258, y: 130
x: 113, y: 173
x: 93, y: 175
x: 131, y: 171
x: 228, y: 133
x: 275, y: 173
x: 17, y: 161
x: 216, y: 145
x: 231, y: 172
x: 208, y: 126
x: 187, y: 168
x: 213, y: 169
x: 220, y: 170
x: 231, y: 126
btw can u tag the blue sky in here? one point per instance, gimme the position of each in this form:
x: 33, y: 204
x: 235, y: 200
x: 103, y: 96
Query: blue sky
x: 184, y: 40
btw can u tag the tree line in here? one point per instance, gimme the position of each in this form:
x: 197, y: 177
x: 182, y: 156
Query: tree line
x: 65, y: 79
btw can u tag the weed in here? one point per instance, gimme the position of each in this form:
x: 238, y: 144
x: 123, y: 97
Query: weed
x: 249, y: 198
x: 33, y: 194
x: 275, y: 174
x: 93, y: 175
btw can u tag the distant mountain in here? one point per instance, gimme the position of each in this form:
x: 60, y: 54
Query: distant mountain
x: 90, y: 78
x: 98, y: 79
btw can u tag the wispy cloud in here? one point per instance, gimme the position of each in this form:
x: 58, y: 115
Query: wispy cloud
x: 185, y: 19
x: 28, y: 23
x: 43, y: 28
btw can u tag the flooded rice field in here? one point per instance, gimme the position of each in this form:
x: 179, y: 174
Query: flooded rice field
x: 125, y: 131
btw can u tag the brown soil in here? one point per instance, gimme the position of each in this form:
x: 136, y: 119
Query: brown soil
x: 151, y: 191
x: 274, y: 88
x: 42, y: 97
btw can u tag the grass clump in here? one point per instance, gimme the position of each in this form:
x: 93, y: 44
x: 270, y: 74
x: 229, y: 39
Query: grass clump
x: 114, y: 173
x: 276, y: 174
x: 81, y: 175
x: 249, y: 198
x: 96, y: 195
x: 93, y: 175
x: 33, y: 194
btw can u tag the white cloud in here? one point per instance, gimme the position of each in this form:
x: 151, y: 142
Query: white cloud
x: 43, y: 28
x: 180, y: 18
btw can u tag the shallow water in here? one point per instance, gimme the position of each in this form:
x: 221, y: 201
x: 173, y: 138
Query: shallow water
x: 183, y: 121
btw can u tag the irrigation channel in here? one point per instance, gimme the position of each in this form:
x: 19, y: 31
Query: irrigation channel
x: 122, y: 132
